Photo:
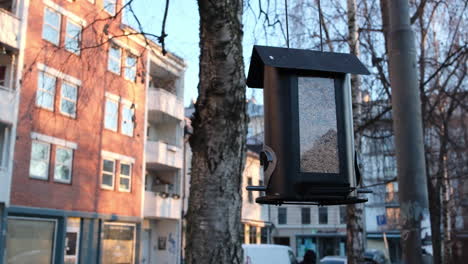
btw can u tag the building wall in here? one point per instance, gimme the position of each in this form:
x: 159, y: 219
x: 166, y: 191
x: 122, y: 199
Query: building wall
x: 86, y: 130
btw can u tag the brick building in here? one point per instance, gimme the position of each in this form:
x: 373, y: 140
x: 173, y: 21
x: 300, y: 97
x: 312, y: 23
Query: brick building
x: 73, y: 130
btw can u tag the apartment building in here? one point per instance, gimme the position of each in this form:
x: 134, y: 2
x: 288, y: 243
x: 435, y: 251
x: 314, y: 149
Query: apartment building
x: 86, y: 92
x: 164, y: 151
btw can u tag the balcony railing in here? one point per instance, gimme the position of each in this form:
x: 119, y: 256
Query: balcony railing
x: 158, y: 205
x: 7, y: 105
x: 158, y: 152
x: 165, y: 102
x: 9, y: 25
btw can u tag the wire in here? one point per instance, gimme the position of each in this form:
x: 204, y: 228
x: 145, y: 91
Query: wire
x: 287, y: 25
x: 320, y: 24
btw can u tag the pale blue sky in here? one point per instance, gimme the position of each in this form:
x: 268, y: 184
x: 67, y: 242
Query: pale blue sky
x: 182, y: 27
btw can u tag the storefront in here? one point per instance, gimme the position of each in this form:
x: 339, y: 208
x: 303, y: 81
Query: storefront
x: 47, y: 236
x: 326, y: 244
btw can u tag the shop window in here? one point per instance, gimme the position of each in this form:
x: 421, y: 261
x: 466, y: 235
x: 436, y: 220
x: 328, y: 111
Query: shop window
x: 72, y: 240
x: 118, y: 243
x: 30, y: 240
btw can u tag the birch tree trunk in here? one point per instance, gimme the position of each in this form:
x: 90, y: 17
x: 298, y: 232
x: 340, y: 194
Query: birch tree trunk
x: 218, y: 140
x: 355, y: 212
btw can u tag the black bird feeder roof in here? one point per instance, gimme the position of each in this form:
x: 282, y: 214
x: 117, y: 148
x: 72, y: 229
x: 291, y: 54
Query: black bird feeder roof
x: 300, y: 59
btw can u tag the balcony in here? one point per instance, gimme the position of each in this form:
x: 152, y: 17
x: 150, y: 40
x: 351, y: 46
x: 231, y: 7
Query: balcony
x: 156, y: 206
x: 7, y: 105
x: 164, y: 106
x: 162, y: 156
x: 10, y: 27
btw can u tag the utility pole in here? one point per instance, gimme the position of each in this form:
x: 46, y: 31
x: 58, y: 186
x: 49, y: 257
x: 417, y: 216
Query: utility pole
x: 407, y: 124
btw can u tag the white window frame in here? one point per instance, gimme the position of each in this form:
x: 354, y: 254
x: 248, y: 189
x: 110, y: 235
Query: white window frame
x: 69, y: 37
x: 47, y: 161
x: 113, y: 59
x: 129, y: 177
x: 39, y: 88
x: 106, y: 187
x: 125, y: 106
x: 54, y: 243
x: 63, y: 97
x: 57, y: 163
x: 130, y: 69
x: 105, y: 3
x: 54, y: 27
x: 106, y: 114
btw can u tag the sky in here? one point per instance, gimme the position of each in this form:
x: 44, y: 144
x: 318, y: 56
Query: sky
x: 182, y: 27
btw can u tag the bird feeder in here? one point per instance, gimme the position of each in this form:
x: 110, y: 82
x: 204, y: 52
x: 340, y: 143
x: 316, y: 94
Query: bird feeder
x: 308, y: 154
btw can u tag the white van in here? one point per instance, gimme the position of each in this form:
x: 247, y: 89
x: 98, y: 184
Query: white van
x: 268, y: 254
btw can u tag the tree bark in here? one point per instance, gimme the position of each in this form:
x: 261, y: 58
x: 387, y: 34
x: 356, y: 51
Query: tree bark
x: 218, y: 140
x: 355, y: 212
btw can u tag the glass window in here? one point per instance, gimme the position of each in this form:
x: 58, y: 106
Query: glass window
x: 110, y: 119
x: 68, y: 99
x: 282, y: 216
x: 30, y: 240
x: 253, y: 235
x: 317, y: 125
x: 130, y: 67
x: 39, y: 165
x: 45, y: 91
x: 343, y: 214
x: 125, y: 177
x: 305, y: 215
x: 51, y: 26
x: 323, y: 215
x: 3, y: 76
x: 127, y: 120
x: 118, y: 244
x: 72, y: 240
x: 63, y: 164
x: 109, y: 6
x: 73, y: 37
x: 114, y: 59
x: 4, y: 145
x: 108, y: 168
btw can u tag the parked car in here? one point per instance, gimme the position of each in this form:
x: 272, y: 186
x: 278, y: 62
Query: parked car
x: 334, y: 260
x: 375, y: 256
x: 268, y: 254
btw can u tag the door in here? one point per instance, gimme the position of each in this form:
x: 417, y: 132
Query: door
x: 146, y: 246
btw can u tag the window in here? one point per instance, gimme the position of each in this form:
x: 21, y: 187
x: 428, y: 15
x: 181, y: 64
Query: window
x: 253, y: 235
x: 113, y: 64
x: 130, y: 68
x: 118, y: 243
x: 343, y: 214
x: 45, y: 91
x: 110, y: 119
x: 282, y: 216
x: 125, y: 177
x: 30, y: 240
x: 250, y: 195
x: 323, y: 215
x: 51, y: 27
x: 127, y: 120
x: 3, y: 76
x: 39, y: 165
x: 109, y: 6
x: 68, y: 99
x: 72, y: 37
x: 63, y: 164
x: 108, y: 167
x: 4, y: 145
x: 305, y: 215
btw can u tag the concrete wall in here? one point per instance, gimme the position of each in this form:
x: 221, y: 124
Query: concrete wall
x: 163, y: 232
